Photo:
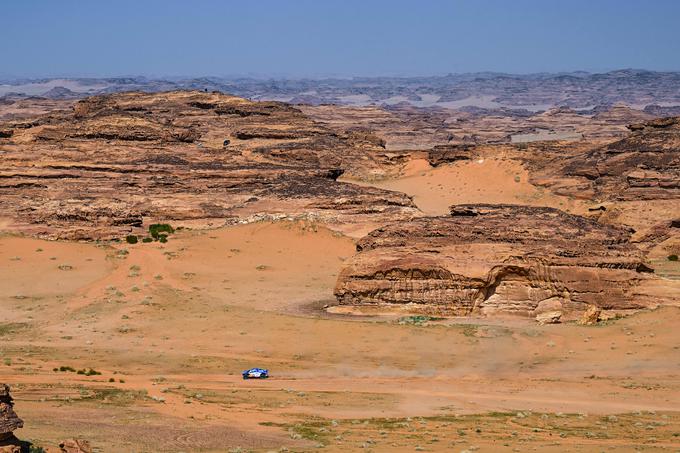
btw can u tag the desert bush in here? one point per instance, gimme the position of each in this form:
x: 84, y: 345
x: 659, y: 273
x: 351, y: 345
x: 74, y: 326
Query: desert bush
x: 672, y: 257
x: 131, y: 239
x: 416, y: 320
x: 157, y: 228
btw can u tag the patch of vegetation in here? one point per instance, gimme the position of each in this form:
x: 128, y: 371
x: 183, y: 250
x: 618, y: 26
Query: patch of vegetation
x: 157, y: 230
x: 416, y: 320
x: 12, y: 327
x: 672, y: 257
x: 34, y: 449
x: 470, y: 330
x: 70, y: 369
x: 131, y: 239
x: 147, y: 240
x: 315, y: 429
x: 118, y: 397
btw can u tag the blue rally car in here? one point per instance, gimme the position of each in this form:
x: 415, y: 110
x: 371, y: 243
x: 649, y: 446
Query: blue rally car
x: 255, y: 373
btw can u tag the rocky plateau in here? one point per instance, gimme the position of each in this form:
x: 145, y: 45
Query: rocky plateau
x: 103, y: 167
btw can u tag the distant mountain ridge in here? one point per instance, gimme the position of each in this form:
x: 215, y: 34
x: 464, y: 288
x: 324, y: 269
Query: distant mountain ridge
x: 534, y: 92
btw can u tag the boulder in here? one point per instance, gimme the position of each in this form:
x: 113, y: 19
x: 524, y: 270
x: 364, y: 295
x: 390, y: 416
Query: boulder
x: 590, y: 316
x: 549, y: 317
x: 75, y: 446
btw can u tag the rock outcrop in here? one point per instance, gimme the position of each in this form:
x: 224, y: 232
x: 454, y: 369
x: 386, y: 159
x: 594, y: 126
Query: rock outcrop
x: 112, y: 163
x: 9, y: 422
x: 72, y: 446
x: 491, y: 259
x: 645, y: 165
x: 442, y: 154
x: 591, y: 316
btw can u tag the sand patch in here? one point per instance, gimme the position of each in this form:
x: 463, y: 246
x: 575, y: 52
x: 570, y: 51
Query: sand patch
x: 36, y: 268
x: 483, y: 180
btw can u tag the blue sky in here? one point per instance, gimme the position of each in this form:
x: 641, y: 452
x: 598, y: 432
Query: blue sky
x: 333, y: 37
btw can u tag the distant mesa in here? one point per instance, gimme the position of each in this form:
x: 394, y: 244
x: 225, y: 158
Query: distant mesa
x: 60, y: 92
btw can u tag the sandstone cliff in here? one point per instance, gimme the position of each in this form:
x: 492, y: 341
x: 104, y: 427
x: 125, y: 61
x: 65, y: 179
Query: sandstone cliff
x: 644, y: 165
x: 113, y: 163
x: 487, y: 259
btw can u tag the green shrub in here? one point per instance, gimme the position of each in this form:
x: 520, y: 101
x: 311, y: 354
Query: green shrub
x: 147, y: 239
x: 131, y: 239
x: 672, y: 257
x: 67, y: 368
x: 157, y: 228
x: 417, y: 320
x: 163, y: 238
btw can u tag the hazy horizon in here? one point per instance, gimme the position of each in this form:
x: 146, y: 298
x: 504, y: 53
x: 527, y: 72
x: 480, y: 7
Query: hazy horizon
x: 256, y: 76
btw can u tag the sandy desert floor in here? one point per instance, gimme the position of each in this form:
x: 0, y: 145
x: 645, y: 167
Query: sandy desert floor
x: 171, y: 326
x: 497, y: 179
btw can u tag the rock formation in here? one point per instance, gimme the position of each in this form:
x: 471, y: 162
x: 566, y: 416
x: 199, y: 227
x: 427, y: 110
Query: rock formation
x: 441, y: 154
x: 486, y: 259
x: 72, y: 446
x: 9, y: 422
x: 590, y: 316
x: 645, y: 165
x: 111, y: 163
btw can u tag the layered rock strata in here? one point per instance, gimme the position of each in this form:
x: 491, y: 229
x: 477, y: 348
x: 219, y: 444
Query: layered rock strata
x: 9, y: 422
x: 113, y: 163
x: 490, y: 259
